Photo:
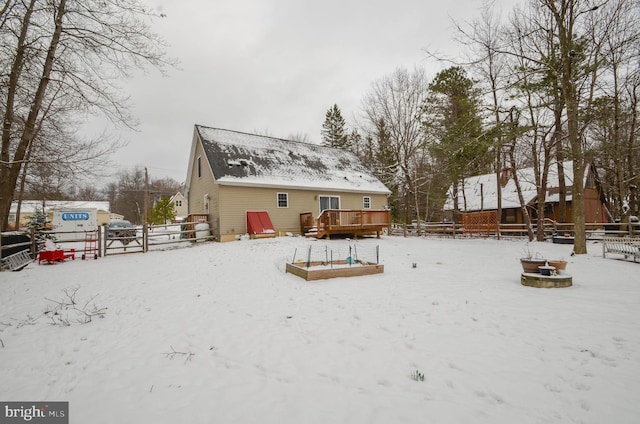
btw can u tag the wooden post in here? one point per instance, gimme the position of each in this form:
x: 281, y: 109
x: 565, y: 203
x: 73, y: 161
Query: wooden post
x: 146, y: 196
x: 104, y: 245
x: 145, y: 237
x: 33, y: 242
x: 99, y: 240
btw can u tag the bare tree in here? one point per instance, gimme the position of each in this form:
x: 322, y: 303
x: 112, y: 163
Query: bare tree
x: 568, y: 28
x: 559, y: 61
x: 613, y: 125
x: 396, y: 100
x: 65, y: 58
x: 301, y: 137
x: 129, y: 199
x: 538, y: 95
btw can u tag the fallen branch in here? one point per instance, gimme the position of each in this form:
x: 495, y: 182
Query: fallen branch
x: 85, y: 312
x: 174, y: 352
x: 29, y: 320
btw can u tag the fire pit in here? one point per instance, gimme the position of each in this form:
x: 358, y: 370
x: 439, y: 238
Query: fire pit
x: 545, y: 281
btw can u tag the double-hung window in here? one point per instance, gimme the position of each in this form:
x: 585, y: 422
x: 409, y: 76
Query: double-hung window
x: 366, y: 202
x: 283, y: 200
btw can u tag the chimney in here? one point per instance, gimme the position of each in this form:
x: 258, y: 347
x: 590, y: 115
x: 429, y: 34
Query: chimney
x: 505, y: 175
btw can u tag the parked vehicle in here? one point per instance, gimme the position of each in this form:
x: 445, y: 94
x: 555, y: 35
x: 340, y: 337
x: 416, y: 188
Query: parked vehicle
x: 121, y: 230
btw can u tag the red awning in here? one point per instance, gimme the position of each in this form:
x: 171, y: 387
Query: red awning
x: 259, y: 223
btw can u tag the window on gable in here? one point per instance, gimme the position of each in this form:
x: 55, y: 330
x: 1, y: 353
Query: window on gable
x: 178, y: 203
x: 366, y: 202
x: 199, y: 166
x: 283, y: 200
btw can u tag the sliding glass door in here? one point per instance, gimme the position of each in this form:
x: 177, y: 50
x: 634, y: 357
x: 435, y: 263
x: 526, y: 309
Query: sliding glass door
x: 329, y: 202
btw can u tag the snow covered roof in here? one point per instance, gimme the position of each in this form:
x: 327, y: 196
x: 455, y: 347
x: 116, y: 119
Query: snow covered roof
x: 238, y: 158
x: 481, y: 191
x: 178, y: 195
x: 30, y: 206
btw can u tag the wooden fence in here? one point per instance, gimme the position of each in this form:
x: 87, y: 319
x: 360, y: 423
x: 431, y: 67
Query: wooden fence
x: 594, y: 231
x: 90, y: 243
x: 157, y: 237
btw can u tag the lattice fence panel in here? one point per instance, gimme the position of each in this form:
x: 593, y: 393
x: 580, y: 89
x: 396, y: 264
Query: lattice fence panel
x: 484, y: 223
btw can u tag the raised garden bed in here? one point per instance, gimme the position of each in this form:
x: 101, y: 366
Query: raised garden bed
x: 311, y: 271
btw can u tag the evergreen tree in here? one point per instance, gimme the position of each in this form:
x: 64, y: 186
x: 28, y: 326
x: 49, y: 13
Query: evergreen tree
x: 38, y: 221
x: 163, y: 211
x: 356, y: 143
x: 334, y: 132
x: 453, y: 126
x: 386, y: 160
x: 385, y: 154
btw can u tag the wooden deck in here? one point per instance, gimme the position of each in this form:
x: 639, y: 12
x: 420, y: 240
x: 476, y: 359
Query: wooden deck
x: 345, y: 222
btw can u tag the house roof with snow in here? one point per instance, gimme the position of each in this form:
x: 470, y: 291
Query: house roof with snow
x: 31, y: 206
x: 177, y: 196
x: 238, y: 158
x: 481, y: 191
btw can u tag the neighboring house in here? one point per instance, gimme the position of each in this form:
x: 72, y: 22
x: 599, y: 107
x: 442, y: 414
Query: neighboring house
x: 181, y: 206
x: 480, y: 193
x: 29, y: 207
x: 231, y: 173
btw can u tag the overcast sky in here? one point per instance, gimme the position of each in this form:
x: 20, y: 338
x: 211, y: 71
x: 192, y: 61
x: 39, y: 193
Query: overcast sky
x: 276, y: 66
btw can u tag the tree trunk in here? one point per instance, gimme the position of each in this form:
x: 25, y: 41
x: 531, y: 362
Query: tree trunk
x: 11, y: 167
x: 542, y: 197
x: 565, y: 17
x: 11, y: 172
x: 577, y: 193
x: 523, y: 207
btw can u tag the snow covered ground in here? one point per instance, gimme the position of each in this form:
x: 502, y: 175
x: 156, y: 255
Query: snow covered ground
x: 219, y: 333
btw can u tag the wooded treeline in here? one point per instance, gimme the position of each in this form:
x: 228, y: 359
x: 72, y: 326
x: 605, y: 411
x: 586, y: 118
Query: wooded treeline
x: 61, y: 61
x: 557, y: 80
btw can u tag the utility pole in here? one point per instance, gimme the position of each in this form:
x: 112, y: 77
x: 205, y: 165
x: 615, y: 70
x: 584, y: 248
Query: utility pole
x: 498, y: 190
x: 146, y: 196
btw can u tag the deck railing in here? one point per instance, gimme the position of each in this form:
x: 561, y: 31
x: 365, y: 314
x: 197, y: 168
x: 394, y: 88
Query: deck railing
x: 344, y: 221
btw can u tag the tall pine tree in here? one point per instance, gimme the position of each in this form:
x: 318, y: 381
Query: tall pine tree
x: 453, y: 127
x: 334, y: 131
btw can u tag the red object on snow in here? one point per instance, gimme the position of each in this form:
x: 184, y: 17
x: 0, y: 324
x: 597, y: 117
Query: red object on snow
x: 259, y: 223
x: 53, y: 256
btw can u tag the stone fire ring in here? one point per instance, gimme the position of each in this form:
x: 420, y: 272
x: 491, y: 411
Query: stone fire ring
x: 545, y: 281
